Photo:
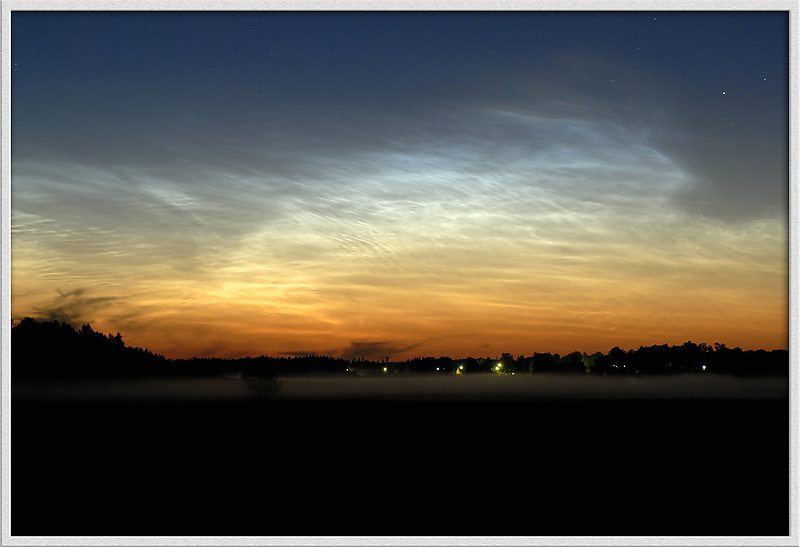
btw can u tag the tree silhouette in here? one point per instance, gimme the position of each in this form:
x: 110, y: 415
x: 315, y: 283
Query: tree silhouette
x: 544, y: 362
x: 261, y: 376
x: 53, y: 350
x: 573, y: 363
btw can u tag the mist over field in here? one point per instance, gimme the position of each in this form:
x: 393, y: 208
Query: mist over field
x: 539, y: 387
x: 415, y: 387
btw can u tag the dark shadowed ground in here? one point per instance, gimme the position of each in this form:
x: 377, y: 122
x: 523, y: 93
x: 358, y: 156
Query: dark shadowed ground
x: 555, y: 458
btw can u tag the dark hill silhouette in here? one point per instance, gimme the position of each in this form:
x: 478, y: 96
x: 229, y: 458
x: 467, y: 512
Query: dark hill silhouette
x: 49, y: 349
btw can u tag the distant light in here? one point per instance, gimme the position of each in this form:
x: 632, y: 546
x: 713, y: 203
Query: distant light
x: 704, y: 367
x: 384, y: 369
x: 461, y: 367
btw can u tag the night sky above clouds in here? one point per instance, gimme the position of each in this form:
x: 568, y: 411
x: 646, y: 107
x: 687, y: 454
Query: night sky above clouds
x: 402, y: 184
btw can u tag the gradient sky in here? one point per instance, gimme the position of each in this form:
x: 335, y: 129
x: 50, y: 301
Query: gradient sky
x: 402, y: 184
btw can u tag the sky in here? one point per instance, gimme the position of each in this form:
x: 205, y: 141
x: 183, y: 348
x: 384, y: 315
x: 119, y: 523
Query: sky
x: 402, y: 184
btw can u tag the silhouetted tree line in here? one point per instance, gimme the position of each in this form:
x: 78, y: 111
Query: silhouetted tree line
x: 691, y: 357
x: 53, y: 350
x: 50, y: 349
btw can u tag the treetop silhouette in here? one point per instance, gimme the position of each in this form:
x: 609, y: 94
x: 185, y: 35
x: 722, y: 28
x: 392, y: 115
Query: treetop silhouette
x: 53, y: 350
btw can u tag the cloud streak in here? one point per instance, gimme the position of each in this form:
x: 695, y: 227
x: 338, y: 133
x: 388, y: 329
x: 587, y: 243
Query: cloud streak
x: 375, y: 349
x: 74, y: 307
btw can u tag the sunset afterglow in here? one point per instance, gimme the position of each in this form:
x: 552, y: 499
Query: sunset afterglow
x: 402, y: 184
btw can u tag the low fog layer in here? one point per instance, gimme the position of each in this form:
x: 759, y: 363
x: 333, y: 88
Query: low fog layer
x: 542, y: 386
x: 421, y: 387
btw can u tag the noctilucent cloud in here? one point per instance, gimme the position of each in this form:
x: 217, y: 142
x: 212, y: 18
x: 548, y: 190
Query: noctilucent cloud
x: 402, y: 184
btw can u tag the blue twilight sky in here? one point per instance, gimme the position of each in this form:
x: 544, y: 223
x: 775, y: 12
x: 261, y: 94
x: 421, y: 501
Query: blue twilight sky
x: 226, y: 183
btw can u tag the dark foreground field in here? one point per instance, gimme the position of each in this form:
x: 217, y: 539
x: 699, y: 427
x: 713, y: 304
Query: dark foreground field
x: 432, y: 465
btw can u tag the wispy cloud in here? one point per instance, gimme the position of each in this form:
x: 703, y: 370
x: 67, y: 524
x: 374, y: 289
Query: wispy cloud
x: 74, y: 307
x: 375, y: 349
